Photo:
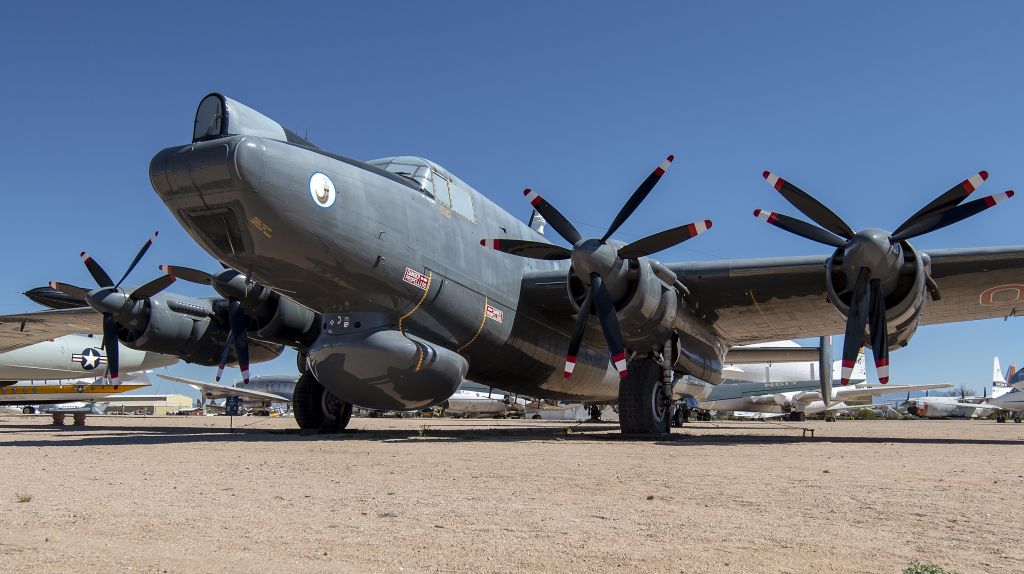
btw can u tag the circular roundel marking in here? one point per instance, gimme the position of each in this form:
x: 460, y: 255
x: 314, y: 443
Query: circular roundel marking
x: 321, y: 188
x: 1002, y: 295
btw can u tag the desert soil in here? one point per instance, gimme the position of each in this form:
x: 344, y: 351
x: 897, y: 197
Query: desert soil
x: 180, y: 494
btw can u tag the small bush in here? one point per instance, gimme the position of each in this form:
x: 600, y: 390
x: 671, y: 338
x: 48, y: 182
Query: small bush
x: 918, y: 568
x: 23, y: 497
x: 866, y: 414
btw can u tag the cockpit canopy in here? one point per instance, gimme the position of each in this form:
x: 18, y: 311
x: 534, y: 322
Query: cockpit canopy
x: 434, y: 181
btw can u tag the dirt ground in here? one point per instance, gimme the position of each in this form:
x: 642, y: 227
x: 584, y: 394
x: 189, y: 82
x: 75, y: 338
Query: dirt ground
x: 180, y: 494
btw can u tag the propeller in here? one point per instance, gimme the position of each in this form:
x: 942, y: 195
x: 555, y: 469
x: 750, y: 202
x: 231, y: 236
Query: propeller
x: 598, y: 262
x: 235, y: 287
x: 871, y: 258
x: 112, y: 301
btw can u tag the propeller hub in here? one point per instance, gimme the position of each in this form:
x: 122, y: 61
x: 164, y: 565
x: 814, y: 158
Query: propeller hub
x: 872, y: 249
x: 108, y: 300
x: 594, y: 256
x: 229, y: 284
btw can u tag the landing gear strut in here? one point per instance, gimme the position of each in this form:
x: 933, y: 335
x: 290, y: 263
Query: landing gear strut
x: 316, y: 408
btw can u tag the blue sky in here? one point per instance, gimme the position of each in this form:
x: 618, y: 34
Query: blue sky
x: 874, y: 107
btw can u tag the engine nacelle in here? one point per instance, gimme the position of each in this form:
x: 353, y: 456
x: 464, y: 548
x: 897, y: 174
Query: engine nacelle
x: 646, y: 310
x: 363, y: 359
x: 289, y: 323
x: 903, y: 304
x: 185, y: 329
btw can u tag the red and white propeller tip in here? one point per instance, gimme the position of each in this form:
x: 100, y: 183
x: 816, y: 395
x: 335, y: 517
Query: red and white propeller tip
x: 491, y: 243
x: 773, y: 180
x: 620, y: 364
x: 167, y: 269
x: 882, y: 368
x: 698, y: 227
x: 570, y: 364
x: 998, y: 198
x: 763, y: 215
x: 661, y: 169
x: 847, y: 371
x: 974, y: 182
x: 532, y: 197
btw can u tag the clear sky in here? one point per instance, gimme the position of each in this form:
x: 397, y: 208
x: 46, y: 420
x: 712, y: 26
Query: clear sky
x: 874, y: 107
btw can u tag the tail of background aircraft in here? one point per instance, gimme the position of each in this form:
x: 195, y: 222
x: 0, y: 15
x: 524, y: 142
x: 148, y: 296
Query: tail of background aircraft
x: 860, y: 372
x: 997, y: 375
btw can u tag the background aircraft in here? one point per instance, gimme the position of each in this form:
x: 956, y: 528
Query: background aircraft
x: 256, y: 396
x: 83, y: 392
x: 72, y: 356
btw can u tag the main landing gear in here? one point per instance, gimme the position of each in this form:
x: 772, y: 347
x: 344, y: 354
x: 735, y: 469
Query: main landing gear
x: 642, y: 405
x: 316, y: 408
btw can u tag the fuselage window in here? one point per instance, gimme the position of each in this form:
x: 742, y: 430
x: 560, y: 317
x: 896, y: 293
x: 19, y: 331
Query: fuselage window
x: 441, y: 189
x: 462, y: 201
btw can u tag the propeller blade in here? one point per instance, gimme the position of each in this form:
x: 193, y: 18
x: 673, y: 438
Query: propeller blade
x: 577, y: 333
x: 664, y: 240
x: 152, y: 288
x: 638, y: 197
x: 951, y: 198
x: 240, y: 336
x: 526, y: 248
x: 187, y: 274
x: 70, y: 290
x: 97, y: 272
x: 223, y: 359
x: 609, y: 323
x: 553, y: 217
x: 809, y: 206
x: 855, y: 323
x: 798, y: 227
x: 138, y: 257
x: 111, y: 347
x: 879, y: 333
x: 951, y: 216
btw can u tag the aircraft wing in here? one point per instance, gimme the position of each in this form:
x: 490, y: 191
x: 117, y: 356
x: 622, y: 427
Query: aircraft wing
x: 843, y: 393
x: 24, y: 329
x: 760, y: 300
x: 215, y: 391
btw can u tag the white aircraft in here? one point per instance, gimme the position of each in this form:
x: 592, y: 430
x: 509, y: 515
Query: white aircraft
x: 259, y: 402
x: 468, y: 403
x: 791, y: 388
x: 72, y: 356
x: 1007, y: 397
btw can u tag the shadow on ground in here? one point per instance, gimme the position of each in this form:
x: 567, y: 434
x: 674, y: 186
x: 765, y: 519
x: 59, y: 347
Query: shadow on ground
x: 433, y: 432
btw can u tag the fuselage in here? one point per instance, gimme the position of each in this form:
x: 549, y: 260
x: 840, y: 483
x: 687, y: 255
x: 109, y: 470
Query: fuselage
x: 72, y: 356
x: 380, y: 242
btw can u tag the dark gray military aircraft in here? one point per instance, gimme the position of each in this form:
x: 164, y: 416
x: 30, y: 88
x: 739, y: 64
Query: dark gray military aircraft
x: 374, y: 272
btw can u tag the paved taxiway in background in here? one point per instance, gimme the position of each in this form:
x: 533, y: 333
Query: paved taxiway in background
x: 181, y: 494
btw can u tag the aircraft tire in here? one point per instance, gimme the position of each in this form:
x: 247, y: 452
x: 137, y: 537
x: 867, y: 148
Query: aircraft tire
x: 641, y: 408
x: 1016, y: 420
x: 317, y: 409
x: 28, y: 411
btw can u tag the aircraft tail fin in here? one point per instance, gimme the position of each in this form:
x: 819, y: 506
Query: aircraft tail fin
x: 997, y: 375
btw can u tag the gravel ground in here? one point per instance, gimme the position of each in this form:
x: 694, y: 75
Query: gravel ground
x: 180, y: 494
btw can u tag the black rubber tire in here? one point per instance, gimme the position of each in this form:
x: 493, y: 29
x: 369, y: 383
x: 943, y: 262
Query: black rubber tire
x: 316, y: 409
x: 1016, y: 420
x: 640, y: 397
x: 28, y: 411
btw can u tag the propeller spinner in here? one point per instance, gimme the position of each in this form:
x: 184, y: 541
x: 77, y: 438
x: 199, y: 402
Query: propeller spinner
x: 595, y: 259
x: 871, y: 257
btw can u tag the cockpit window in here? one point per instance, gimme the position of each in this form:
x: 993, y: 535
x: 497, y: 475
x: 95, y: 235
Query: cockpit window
x: 408, y: 167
